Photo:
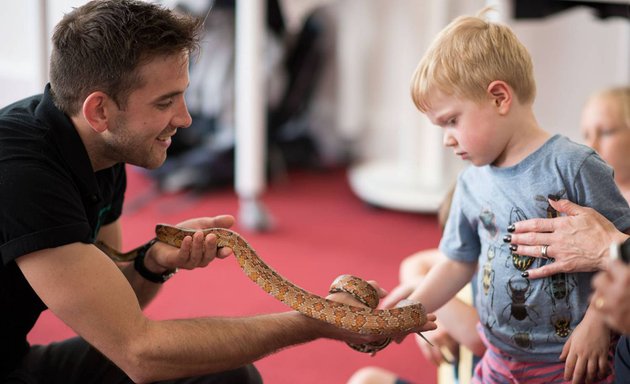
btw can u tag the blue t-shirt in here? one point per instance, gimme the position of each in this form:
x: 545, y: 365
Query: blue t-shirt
x: 529, y: 320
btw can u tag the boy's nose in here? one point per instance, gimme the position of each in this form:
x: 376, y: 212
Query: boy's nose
x: 448, y: 140
x: 593, y: 142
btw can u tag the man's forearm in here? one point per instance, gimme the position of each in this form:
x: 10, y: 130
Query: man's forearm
x: 144, y: 289
x: 180, y: 348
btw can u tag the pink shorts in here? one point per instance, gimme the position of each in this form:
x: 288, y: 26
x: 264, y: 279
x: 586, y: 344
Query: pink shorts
x: 497, y: 367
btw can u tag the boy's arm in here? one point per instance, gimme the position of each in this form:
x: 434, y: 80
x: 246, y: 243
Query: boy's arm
x: 442, y: 283
x: 586, y: 350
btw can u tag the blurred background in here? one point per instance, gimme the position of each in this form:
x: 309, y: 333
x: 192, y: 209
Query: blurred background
x: 302, y: 119
x: 334, y: 84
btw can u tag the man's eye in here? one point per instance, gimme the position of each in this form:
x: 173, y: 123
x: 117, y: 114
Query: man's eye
x: 165, y: 104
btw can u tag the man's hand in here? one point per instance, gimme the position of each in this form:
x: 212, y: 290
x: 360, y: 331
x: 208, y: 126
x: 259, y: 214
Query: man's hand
x: 355, y: 338
x: 196, y: 251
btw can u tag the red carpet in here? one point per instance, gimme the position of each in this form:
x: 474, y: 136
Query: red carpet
x: 322, y: 230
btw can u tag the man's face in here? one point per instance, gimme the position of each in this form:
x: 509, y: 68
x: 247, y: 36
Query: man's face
x: 141, y: 133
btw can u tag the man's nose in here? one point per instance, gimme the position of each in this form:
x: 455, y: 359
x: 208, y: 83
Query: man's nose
x: 182, y: 119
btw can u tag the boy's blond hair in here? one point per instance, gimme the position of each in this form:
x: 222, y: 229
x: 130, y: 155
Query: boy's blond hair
x: 467, y: 56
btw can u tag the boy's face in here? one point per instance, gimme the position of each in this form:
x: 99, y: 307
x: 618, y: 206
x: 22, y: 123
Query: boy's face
x: 470, y: 128
x: 141, y: 131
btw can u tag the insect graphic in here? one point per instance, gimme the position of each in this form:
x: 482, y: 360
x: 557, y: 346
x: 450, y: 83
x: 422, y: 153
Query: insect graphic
x: 523, y: 339
x: 559, y: 287
x: 490, y: 322
x: 562, y: 324
x: 488, y: 220
x: 488, y: 273
x: 519, y: 293
x: 520, y: 262
x: 551, y: 212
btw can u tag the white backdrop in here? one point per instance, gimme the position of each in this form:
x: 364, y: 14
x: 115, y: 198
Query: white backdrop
x: 379, y: 45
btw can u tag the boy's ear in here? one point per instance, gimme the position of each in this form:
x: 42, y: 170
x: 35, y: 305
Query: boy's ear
x: 501, y: 95
x: 95, y: 110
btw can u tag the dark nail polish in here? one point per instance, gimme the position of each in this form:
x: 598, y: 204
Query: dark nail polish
x: 507, y: 238
x: 553, y: 197
x: 525, y: 274
x: 511, y: 228
x: 513, y: 247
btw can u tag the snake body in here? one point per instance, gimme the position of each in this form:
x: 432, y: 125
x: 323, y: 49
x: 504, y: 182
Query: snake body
x: 362, y: 320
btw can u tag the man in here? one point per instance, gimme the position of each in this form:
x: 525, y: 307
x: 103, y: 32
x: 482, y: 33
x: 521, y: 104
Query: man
x: 118, y: 70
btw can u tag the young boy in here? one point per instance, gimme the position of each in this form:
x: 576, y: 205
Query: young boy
x: 476, y: 82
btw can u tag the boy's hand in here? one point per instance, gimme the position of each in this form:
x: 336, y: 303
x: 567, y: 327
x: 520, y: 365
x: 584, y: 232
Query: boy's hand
x: 586, y: 351
x: 399, y: 293
x: 444, y: 349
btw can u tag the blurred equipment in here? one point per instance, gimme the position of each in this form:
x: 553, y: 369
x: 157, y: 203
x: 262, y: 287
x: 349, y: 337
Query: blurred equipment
x: 203, y: 155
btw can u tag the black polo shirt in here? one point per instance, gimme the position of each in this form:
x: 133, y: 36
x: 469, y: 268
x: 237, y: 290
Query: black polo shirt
x: 49, y: 196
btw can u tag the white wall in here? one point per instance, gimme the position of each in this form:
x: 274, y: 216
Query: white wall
x: 25, y: 27
x: 574, y: 53
x: 380, y: 44
x: 20, y: 58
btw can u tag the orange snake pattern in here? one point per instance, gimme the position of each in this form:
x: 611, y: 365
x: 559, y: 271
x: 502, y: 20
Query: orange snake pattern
x: 363, y: 320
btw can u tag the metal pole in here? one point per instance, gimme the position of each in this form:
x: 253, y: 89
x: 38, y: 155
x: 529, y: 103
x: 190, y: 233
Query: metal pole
x: 250, y: 139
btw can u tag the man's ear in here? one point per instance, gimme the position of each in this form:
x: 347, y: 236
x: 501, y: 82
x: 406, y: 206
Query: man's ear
x: 95, y: 110
x: 501, y: 95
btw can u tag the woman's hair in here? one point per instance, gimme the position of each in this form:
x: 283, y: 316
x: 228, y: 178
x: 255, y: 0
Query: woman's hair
x: 102, y: 44
x: 467, y: 56
x: 621, y: 97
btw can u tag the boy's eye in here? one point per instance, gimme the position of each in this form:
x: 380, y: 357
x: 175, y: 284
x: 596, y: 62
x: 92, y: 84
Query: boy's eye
x: 451, y: 122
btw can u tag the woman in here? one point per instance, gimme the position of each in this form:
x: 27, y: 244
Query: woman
x: 581, y: 240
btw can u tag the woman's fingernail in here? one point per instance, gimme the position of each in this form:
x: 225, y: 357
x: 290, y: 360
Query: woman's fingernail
x: 507, y: 238
x: 553, y: 197
x: 513, y: 247
x: 525, y: 274
x: 511, y: 228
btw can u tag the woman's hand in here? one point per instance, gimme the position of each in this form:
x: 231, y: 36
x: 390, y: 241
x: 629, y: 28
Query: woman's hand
x: 578, y: 242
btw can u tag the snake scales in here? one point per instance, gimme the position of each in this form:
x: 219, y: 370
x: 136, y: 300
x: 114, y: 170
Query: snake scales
x: 362, y: 320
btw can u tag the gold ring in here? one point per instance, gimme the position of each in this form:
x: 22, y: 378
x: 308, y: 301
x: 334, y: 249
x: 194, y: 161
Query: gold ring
x: 599, y: 303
